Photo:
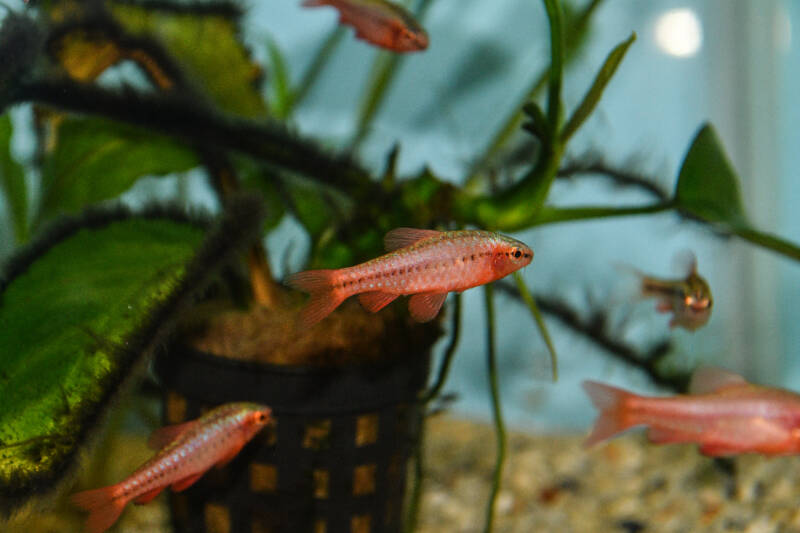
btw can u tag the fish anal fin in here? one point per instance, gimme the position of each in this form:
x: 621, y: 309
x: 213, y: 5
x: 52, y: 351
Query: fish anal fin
x: 230, y: 455
x: 374, y: 301
x: 163, y: 436
x: 402, y: 237
x: 103, y: 508
x: 668, y: 436
x: 148, y: 496
x: 718, y: 450
x: 425, y: 306
x: 186, y: 482
x: 707, y: 379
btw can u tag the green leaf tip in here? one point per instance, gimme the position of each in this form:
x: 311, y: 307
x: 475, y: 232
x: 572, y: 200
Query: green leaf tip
x: 708, y: 187
x: 601, y: 80
x: 80, y: 308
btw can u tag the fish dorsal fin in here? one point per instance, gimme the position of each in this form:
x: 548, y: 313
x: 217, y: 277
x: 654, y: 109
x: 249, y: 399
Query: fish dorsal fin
x: 425, y: 306
x: 163, y: 436
x: 402, y: 237
x: 685, y: 262
x: 707, y: 379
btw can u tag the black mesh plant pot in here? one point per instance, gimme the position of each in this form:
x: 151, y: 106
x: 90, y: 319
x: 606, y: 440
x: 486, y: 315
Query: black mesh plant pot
x: 334, y: 461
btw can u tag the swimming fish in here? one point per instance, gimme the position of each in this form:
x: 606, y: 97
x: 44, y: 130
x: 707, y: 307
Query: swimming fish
x: 689, y: 299
x: 723, y: 413
x: 379, y: 22
x: 188, y: 450
x: 424, y: 263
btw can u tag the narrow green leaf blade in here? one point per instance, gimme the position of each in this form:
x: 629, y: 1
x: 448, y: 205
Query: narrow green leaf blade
x: 78, y: 310
x: 527, y: 297
x: 708, y: 187
x: 12, y: 181
x: 280, y: 90
x: 97, y: 159
x: 591, y: 99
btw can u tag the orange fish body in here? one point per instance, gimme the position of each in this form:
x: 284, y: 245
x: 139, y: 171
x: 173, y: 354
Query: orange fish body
x: 725, y: 415
x: 187, y: 451
x: 379, y: 22
x: 424, y: 263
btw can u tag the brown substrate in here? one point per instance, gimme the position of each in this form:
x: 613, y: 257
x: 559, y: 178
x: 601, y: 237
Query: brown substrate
x: 347, y: 336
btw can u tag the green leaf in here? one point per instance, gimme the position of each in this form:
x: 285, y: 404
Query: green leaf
x: 592, y: 97
x: 708, y: 187
x: 97, y: 159
x: 267, y: 182
x: 80, y: 309
x: 208, y: 47
x: 12, y: 182
x: 311, y: 207
x: 280, y: 90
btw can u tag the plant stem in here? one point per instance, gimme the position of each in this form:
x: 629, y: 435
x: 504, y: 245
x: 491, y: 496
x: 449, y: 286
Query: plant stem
x: 419, y: 473
x: 321, y: 59
x: 554, y: 215
x: 766, y: 240
x: 499, y: 425
x: 537, y: 316
x: 444, y: 368
x: 382, y: 74
x: 553, y: 9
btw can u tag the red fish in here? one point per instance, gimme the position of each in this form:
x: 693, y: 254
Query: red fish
x: 188, y: 450
x: 379, y: 22
x: 723, y: 413
x: 424, y: 263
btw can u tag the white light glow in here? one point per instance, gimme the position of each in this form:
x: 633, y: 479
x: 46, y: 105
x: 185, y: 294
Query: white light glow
x: 678, y: 32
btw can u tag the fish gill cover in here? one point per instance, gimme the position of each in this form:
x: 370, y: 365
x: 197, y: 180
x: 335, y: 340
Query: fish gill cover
x: 79, y: 309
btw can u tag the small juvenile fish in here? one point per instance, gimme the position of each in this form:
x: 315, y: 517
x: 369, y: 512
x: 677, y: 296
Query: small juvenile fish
x: 689, y: 299
x: 379, y: 22
x: 188, y: 450
x: 723, y: 413
x: 424, y: 263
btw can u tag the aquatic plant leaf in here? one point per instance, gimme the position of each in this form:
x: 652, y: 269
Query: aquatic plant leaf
x: 96, y: 159
x: 12, y: 182
x: 79, y: 309
x: 591, y: 99
x: 280, y: 87
x: 207, y: 45
x: 708, y: 187
x: 266, y: 181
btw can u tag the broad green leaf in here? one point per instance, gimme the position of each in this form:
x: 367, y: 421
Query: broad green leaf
x: 280, y: 89
x: 208, y: 47
x: 96, y: 159
x: 708, y: 187
x: 78, y: 311
x: 12, y: 182
x: 311, y: 207
x: 591, y: 99
x: 267, y: 182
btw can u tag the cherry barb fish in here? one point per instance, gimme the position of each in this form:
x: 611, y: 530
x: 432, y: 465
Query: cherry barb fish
x: 689, y: 299
x: 188, y: 450
x: 426, y: 264
x: 723, y: 413
x: 379, y: 22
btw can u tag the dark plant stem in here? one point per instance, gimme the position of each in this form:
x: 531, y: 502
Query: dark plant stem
x: 419, y: 475
x: 444, y: 367
x: 499, y: 425
x: 618, y: 176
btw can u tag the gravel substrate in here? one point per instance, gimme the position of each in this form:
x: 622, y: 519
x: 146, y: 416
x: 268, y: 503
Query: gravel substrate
x: 551, y: 484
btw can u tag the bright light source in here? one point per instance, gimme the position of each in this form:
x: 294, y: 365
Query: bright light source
x: 678, y: 32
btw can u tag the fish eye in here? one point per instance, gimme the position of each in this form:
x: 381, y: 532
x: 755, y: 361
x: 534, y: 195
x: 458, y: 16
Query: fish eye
x: 261, y: 417
x: 517, y: 253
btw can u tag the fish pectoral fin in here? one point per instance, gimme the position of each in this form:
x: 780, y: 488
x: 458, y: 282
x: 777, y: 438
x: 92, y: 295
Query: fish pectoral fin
x: 663, y: 306
x: 707, y: 379
x: 402, y: 237
x: 148, y: 496
x: 425, y: 306
x: 186, y: 482
x: 374, y: 301
x: 228, y: 457
x: 163, y: 436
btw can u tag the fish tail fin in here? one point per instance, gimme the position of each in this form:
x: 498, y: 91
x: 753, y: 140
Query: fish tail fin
x: 104, y: 509
x: 614, y: 417
x: 324, y: 298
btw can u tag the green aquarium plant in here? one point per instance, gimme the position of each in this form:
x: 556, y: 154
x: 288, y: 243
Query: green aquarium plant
x: 91, y: 289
